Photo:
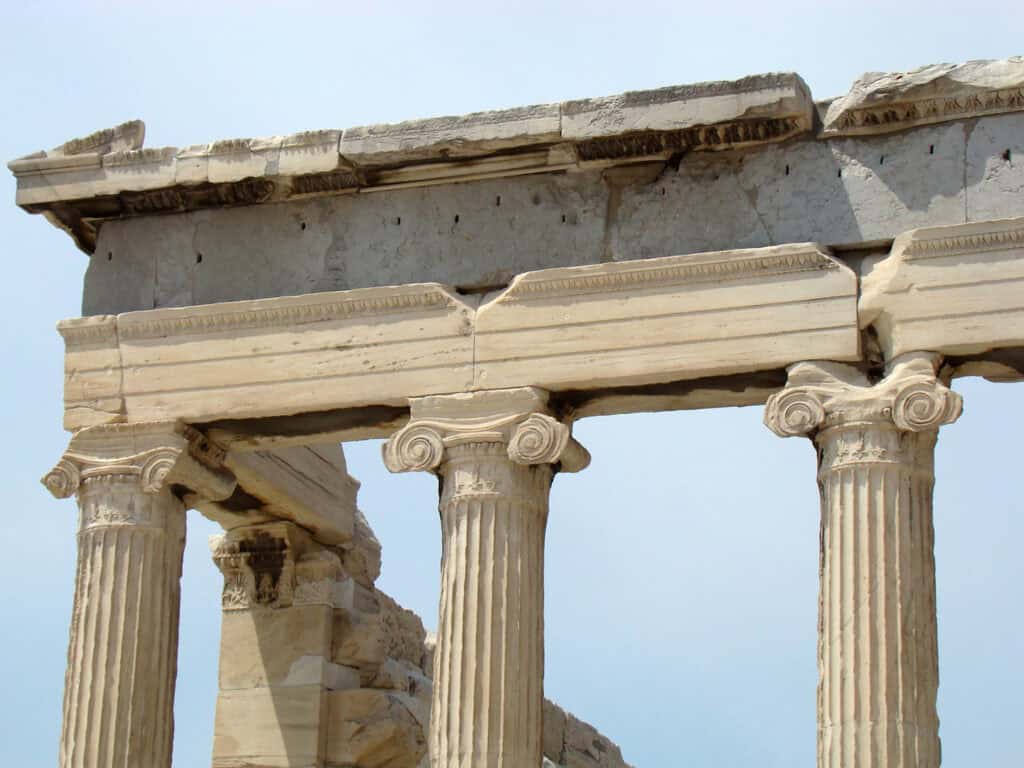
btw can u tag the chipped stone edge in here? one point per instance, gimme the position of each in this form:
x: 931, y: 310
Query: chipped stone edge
x: 109, y: 175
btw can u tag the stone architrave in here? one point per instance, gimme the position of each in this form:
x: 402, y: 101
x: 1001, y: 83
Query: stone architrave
x: 877, y: 637
x: 496, y: 453
x: 122, y: 656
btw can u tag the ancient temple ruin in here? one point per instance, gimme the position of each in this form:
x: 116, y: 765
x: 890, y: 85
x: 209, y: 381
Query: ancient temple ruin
x: 468, y: 288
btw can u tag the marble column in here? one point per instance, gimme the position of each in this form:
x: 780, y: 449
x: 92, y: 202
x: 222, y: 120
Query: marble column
x: 877, y: 642
x: 122, y: 655
x: 495, y: 454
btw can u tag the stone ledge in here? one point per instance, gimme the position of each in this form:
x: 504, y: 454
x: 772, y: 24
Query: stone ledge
x: 882, y: 103
x: 109, y: 175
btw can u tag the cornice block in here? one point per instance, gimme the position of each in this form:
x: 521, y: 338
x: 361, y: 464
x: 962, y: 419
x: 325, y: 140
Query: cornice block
x: 956, y: 290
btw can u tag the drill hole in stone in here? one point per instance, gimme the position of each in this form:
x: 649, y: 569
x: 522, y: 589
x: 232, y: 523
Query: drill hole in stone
x: 497, y: 200
x: 302, y: 226
x: 787, y: 170
x: 199, y: 258
x: 456, y: 218
x: 1006, y: 155
x: 110, y: 255
x: 931, y: 149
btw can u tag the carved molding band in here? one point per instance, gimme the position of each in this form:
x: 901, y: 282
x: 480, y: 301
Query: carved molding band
x: 534, y: 438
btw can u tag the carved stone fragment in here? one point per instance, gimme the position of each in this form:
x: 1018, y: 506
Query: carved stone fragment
x: 880, y: 102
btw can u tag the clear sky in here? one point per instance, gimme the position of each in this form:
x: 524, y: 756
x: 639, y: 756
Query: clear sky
x: 682, y: 566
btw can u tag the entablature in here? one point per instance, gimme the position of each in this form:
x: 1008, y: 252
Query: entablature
x: 693, y: 331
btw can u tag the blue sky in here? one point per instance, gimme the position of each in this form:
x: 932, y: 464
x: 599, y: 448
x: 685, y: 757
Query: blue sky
x: 682, y: 566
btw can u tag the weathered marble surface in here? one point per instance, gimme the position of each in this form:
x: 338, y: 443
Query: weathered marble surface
x: 700, y: 315
x: 840, y: 192
x: 954, y: 290
x: 496, y: 454
x: 877, y: 647
x: 880, y: 102
x: 88, y: 185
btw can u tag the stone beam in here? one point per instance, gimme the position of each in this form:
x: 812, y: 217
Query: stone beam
x: 954, y: 290
x: 670, y: 319
x: 634, y: 323
x: 307, y: 485
x: 87, y: 181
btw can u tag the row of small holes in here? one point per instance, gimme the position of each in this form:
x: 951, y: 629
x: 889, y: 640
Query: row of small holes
x: 398, y: 220
x: 1006, y: 155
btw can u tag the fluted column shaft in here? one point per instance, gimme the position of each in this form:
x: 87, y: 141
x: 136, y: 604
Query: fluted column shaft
x: 877, y: 638
x: 123, y: 651
x: 496, y: 454
x: 122, y: 656
x: 489, y: 668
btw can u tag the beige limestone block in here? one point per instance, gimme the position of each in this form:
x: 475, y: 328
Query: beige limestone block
x: 373, y: 729
x: 270, y: 728
x: 877, y: 642
x: 359, y: 642
x: 957, y: 290
x: 479, y: 133
x: 92, y: 372
x: 668, y: 319
x: 302, y: 353
x: 882, y: 102
x: 274, y: 648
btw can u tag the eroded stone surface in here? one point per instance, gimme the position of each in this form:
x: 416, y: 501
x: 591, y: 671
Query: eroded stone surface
x: 880, y: 102
x: 875, y: 442
x: 108, y: 176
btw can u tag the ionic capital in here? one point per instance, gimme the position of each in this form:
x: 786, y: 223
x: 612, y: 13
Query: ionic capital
x: 156, y: 455
x: 274, y: 565
x: 823, y: 395
x: 517, y: 419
